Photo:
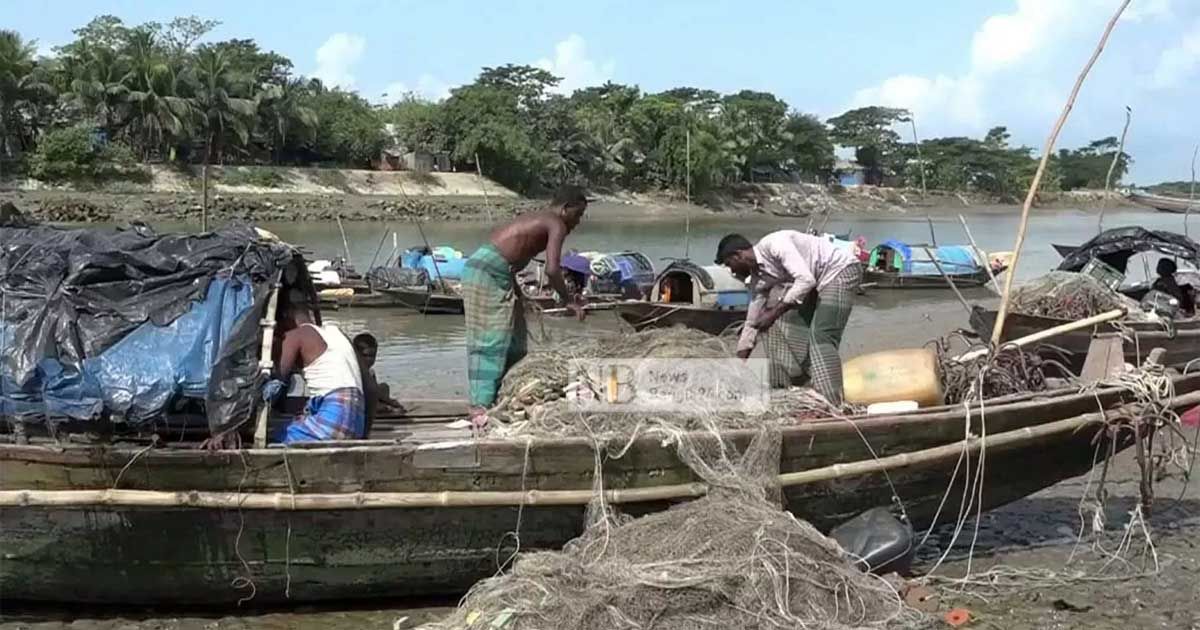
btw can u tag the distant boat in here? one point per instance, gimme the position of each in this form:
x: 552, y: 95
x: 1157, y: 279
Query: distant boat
x: 897, y: 265
x: 707, y: 298
x: 1174, y: 205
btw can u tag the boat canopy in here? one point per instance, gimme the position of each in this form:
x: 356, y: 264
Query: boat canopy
x: 1116, y: 246
x: 444, y: 262
x: 126, y: 324
x: 711, y: 286
x: 897, y: 256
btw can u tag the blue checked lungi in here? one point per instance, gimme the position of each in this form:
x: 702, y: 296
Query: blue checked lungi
x: 338, y: 415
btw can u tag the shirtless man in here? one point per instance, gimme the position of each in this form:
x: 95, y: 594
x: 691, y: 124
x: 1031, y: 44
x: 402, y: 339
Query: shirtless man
x: 495, y: 317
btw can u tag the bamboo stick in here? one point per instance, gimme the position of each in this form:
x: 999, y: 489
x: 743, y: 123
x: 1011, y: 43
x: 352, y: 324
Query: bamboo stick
x: 1111, y: 167
x: 266, y: 363
x: 1187, y: 212
x: 345, y: 243
x: 979, y: 254
x: 937, y: 263
x: 487, y: 202
x: 282, y: 501
x: 1051, y: 332
x: 1041, y: 170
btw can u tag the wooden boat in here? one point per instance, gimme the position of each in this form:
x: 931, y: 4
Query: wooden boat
x: 1173, y: 205
x: 415, y: 515
x: 1181, y: 340
x: 895, y: 280
x: 707, y: 298
x: 896, y: 265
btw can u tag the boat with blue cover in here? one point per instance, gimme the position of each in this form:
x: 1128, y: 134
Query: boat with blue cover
x: 897, y: 265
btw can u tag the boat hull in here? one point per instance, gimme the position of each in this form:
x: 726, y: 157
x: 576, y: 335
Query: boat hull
x: 887, y: 280
x: 1182, y: 345
x: 1164, y: 204
x: 645, y: 315
x: 148, y: 555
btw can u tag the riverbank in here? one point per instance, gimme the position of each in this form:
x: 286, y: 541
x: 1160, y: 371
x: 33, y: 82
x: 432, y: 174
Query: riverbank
x: 264, y: 194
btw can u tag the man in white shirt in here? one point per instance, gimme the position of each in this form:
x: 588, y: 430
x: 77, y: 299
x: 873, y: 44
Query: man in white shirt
x: 803, y: 288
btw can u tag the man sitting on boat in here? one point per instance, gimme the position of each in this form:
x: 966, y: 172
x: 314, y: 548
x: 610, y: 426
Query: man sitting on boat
x: 377, y: 395
x: 1166, y: 282
x: 336, y: 407
x: 803, y: 290
x: 495, y: 317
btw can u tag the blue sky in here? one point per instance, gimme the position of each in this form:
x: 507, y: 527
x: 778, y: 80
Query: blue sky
x: 962, y: 67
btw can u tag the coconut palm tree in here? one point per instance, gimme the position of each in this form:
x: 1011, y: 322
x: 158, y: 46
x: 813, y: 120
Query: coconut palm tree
x: 281, y: 108
x: 220, y: 102
x: 21, y: 83
x: 159, y: 115
x: 97, y: 85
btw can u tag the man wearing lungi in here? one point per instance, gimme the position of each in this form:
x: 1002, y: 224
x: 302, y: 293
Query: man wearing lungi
x: 495, y: 315
x: 803, y: 289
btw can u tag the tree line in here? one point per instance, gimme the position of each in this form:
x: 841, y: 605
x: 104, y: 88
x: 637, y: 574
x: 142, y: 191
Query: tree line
x: 120, y: 94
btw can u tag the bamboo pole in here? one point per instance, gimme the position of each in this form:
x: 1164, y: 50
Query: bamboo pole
x: 1111, y: 167
x: 345, y: 243
x: 1051, y: 332
x: 937, y: 263
x: 1041, y: 170
x: 204, y: 202
x: 266, y: 363
x: 979, y: 254
x: 932, y: 233
x: 1187, y: 212
x: 487, y: 202
x: 282, y: 501
x: 917, y: 143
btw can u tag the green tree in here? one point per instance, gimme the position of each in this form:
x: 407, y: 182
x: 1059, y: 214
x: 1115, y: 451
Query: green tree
x: 96, y: 79
x: 419, y: 125
x: 223, y: 108
x: 159, y: 116
x: 22, y: 86
x: 349, y: 131
x: 1087, y: 166
x: 602, y: 114
x: 808, y: 149
x: 869, y: 131
x: 283, y: 111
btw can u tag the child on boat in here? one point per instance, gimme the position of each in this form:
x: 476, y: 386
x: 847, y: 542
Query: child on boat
x: 378, y: 395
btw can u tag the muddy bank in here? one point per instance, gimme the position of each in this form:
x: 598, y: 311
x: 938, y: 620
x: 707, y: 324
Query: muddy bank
x: 63, y: 206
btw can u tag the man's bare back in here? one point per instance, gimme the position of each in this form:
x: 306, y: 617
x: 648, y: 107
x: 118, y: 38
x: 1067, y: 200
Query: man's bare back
x: 529, y: 235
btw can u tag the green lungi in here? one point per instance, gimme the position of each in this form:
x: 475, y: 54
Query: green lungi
x: 803, y: 343
x: 495, y: 322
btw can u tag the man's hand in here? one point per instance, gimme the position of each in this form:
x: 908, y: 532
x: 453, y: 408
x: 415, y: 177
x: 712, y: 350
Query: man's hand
x: 769, y: 316
x: 744, y: 353
x: 578, y: 309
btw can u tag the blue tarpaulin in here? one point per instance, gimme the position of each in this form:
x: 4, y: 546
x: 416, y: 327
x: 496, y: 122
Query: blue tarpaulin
x: 123, y: 325
x: 954, y: 259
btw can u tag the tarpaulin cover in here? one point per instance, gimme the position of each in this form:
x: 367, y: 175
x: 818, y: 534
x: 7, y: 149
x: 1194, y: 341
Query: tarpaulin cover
x: 1116, y: 246
x: 120, y: 324
x: 954, y: 259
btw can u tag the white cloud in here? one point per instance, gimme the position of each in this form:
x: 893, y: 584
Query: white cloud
x: 1147, y: 9
x: 1177, y: 63
x: 572, y: 64
x: 336, y: 58
x: 943, y: 96
x: 427, y: 87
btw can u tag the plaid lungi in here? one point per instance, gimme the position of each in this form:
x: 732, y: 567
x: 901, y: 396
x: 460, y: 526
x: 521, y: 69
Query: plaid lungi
x: 804, y: 341
x: 495, y: 322
x: 338, y: 415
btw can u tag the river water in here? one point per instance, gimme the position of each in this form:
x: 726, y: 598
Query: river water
x: 423, y: 357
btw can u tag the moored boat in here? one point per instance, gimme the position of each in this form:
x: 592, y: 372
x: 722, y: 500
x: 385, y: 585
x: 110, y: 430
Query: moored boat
x: 707, y: 298
x: 897, y: 265
x: 1175, y: 205
x: 129, y: 524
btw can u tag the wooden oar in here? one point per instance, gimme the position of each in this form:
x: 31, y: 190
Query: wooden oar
x: 1106, y: 316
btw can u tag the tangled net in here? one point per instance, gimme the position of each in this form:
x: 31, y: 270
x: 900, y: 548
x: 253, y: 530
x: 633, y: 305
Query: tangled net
x: 533, y: 397
x: 1007, y: 371
x: 1068, y: 295
x: 732, y: 559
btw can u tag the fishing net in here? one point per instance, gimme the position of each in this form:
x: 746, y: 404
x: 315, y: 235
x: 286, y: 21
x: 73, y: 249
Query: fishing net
x: 534, y: 396
x: 1071, y: 296
x: 732, y: 559
x: 1007, y: 371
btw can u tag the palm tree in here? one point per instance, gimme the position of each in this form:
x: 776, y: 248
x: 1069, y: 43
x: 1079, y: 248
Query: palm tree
x: 219, y: 102
x: 281, y: 106
x: 97, y: 85
x: 159, y: 115
x: 21, y: 83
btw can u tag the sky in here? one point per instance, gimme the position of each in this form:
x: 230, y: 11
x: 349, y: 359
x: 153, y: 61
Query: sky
x: 961, y: 67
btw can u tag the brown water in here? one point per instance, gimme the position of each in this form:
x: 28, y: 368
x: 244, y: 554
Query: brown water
x: 423, y: 357
x: 424, y: 354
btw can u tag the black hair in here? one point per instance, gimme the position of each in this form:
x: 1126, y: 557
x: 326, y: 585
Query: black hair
x: 366, y: 340
x: 570, y: 196
x: 1166, y: 267
x: 731, y: 244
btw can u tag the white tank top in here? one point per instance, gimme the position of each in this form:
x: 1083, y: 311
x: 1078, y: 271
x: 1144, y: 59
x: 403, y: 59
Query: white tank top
x: 336, y: 368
